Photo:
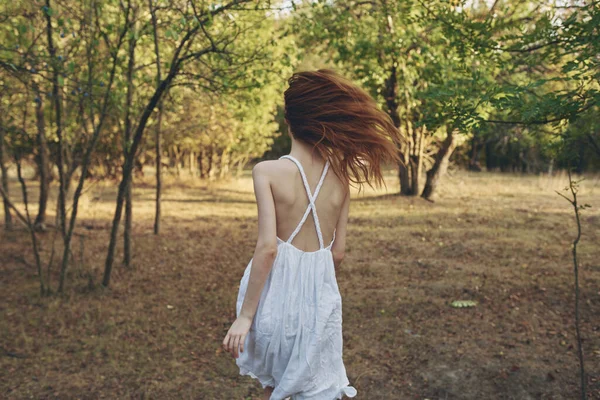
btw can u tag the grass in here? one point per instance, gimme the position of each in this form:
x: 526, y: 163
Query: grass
x: 501, y: 240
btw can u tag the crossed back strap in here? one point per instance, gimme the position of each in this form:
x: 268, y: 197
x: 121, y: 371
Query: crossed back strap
x: 311, y: 201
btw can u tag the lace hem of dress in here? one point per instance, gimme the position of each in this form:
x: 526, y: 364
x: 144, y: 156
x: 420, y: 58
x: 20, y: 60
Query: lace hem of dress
x: 348, y: 391
x: 263, y: 382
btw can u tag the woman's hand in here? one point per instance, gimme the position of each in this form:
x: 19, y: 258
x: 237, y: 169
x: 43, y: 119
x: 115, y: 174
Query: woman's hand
x: 236, y: 336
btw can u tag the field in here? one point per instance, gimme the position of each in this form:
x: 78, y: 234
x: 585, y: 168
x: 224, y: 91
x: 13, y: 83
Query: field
x: 503, y: 241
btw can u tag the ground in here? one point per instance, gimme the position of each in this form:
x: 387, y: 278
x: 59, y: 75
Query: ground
x: 503, y: 241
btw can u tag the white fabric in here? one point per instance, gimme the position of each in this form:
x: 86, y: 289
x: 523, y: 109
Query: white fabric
x: 295, y: 342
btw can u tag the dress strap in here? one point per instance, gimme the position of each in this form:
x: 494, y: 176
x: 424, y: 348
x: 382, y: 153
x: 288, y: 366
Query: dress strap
x: 311, y: 200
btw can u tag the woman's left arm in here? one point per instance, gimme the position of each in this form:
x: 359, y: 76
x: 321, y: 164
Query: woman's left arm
x: 262, y: 262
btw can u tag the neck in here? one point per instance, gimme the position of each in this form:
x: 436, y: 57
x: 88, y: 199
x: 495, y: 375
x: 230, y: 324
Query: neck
x: 303, y: 151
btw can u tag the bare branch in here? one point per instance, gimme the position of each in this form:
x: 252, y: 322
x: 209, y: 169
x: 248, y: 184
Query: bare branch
x: 13, y: 207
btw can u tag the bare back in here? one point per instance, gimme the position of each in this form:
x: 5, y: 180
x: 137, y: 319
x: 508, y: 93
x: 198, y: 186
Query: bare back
x: 291, y: 201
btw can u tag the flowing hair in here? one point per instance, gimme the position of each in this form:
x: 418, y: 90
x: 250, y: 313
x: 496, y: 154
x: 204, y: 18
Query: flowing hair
x: 343, y: 124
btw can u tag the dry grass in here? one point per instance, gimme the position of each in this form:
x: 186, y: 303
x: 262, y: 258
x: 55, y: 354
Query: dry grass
x: 502, y: 240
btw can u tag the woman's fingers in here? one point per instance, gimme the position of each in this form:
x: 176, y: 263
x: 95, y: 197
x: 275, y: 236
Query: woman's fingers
x: 230, y: 344
x: 242, y: 341
x: 226, y: 342
x: 234, y: 343
x: 236, y: 346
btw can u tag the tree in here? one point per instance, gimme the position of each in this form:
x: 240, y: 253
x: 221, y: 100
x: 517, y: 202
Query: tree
x: 395, y: 64
x: 557, y: 50
x: 542, y: 61
x: 19, y: 63
x: 131, y: 63
x: 96, y: 72
x: 210, y: 46
x: 158, y: 137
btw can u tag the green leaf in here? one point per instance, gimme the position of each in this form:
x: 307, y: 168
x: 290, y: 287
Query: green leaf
x: 463, y: 303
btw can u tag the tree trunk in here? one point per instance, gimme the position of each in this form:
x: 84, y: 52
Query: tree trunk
x: 404, y: 165
x: 44, y: 166
x: 191, y: 160
x: 4, y: 171
x: 209, y: 162
x: 158, y: 138
x: 126, y: 150
x: 200, y: 168
x: 239, y: 166
x: 128, y: 223
x: 474, y: 164
x: 524, y: 163
x: 391, y: 100
x: 404, y: 178
x: 243, y: 163
x: 416, y: 160
x: 490, y: 162
x: 62, y: 207
x: 440, y: 165
x: 550, y: 166
x: 177, y: 159
x: 157, y: 208
x: 224, y: 164
x: 171, y: 156
x: 414, y: 175
x: 391, y: 96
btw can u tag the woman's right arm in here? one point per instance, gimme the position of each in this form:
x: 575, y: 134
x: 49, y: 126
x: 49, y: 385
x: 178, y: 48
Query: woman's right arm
x: 339, y: 245
x: 262, y: 262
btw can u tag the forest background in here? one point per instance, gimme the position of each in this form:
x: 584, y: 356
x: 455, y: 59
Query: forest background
x: 155, y: 109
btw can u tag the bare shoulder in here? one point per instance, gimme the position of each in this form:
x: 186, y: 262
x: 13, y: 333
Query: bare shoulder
x: 271, y: 168
x: 270, y: 171
x: 263, y: 169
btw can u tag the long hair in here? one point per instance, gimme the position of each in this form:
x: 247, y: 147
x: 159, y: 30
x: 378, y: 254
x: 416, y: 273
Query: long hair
x: 343, y: 124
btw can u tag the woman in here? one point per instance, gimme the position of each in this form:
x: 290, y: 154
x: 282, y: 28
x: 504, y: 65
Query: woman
x: 288, y: 331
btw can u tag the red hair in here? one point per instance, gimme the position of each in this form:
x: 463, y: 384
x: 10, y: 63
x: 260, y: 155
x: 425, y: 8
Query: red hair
x: 343, y: 124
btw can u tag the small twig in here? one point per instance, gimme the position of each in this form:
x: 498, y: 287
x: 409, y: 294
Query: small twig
x: 48, y: 289
x: 31, y: 228
x: 12, y: 206
x: 573, y: 188
x: 11, y: 354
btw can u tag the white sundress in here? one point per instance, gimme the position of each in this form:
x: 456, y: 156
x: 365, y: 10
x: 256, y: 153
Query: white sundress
x: 295, y: 341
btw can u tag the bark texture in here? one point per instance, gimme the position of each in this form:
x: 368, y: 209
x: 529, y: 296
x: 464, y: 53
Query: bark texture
x: 440, y: 165
x: 43, y: 167
x: 4, y: 177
